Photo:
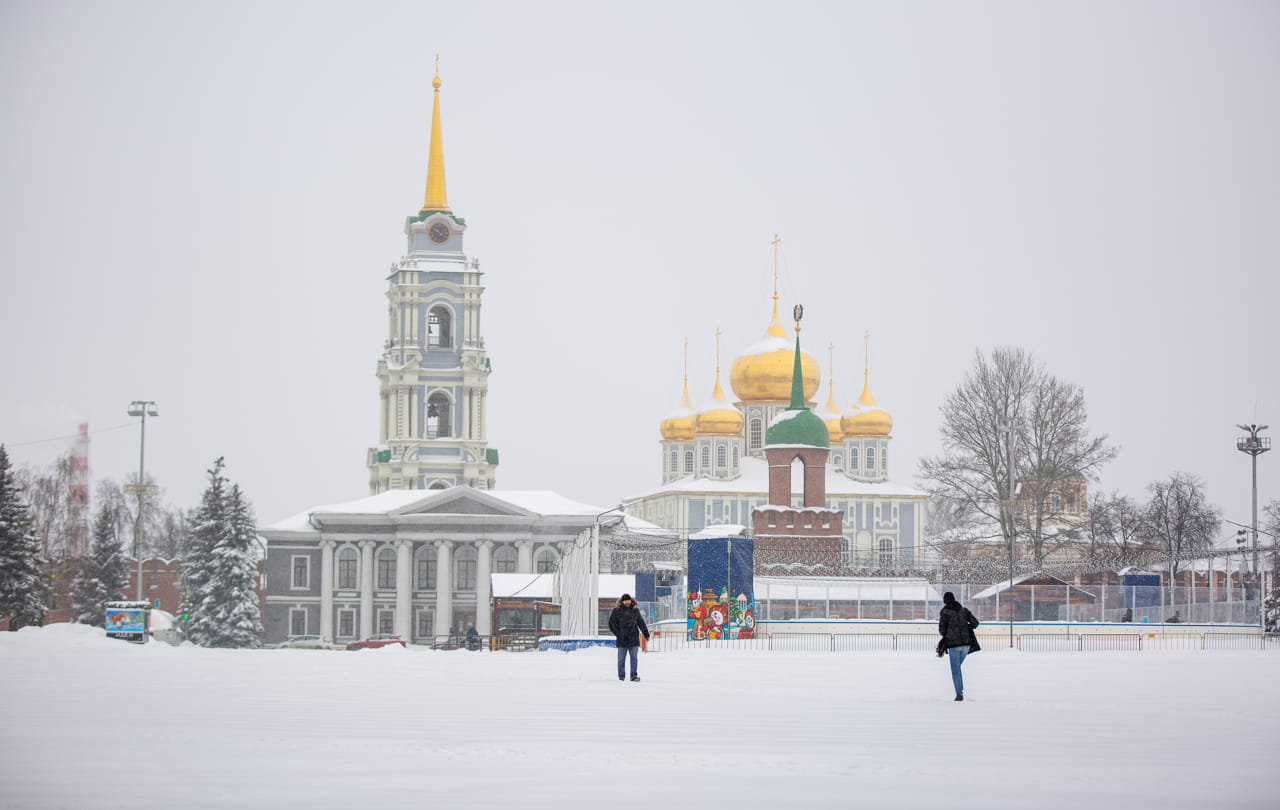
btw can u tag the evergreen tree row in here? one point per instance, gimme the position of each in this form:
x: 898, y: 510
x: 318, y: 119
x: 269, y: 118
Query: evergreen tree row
x: 20, y: 558
x: 220, y: 573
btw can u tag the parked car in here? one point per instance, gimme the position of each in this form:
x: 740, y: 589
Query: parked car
x: 375, y: 641
x: 306, y: 643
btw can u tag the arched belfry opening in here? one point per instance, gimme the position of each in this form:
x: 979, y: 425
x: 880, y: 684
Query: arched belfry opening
x: 439, y: 409
x: 439, y: 328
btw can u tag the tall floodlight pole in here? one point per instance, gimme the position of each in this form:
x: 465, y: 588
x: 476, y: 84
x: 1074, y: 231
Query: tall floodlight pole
x: 142, y: 408
x: 1006, y: 427
x: 1255, y: 445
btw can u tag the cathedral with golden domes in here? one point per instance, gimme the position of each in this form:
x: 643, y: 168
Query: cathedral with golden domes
x: 714, y: 470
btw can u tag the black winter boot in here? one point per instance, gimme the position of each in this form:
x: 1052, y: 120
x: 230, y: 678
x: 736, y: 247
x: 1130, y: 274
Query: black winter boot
x: 960, y: 696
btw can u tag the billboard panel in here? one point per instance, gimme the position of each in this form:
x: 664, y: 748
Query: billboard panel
x: 721, y: 596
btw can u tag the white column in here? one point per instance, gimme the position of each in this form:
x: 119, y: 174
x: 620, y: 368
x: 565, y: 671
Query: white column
x: 326, y: 588
x: 366, y: 588
x: 404, y: 592
x: 444, y: 587
x: 524, y: 556
x: 484, y: 566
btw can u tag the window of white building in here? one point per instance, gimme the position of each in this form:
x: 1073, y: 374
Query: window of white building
x: 386, y: 569
x: 301, y: 572
x: 348, y: 568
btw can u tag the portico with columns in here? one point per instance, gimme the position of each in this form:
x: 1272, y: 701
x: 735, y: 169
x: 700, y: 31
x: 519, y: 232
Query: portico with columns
x: 417, y: 564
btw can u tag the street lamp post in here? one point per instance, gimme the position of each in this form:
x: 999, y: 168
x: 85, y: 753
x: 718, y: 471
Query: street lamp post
x: 1255, y: 445
x: 142, y: 408
x: 1006, y: 427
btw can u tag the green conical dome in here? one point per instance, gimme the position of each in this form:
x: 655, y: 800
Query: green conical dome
x: 797, y: 424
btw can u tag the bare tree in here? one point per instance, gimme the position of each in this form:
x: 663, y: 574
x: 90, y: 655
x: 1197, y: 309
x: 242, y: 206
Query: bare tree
x: 1179, y: 520
x: 1011, y: 398
x: 48, y: 491
x: 1116, y: 529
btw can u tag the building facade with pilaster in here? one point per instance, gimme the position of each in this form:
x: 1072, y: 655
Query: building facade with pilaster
x: 416, y: 564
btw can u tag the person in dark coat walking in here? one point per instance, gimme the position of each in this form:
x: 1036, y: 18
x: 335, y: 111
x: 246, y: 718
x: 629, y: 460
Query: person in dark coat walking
x: 627, y: 625
x: 956, y: 625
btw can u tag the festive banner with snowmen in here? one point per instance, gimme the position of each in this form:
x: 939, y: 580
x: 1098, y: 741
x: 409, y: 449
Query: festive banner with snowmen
x: 720, y: 596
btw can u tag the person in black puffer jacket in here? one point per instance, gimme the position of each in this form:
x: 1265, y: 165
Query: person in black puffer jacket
x: 626, y: 624
x: 956, y: 625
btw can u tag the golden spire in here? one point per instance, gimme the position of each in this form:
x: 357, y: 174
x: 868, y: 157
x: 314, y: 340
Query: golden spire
x: 684, y: 400
x: 437, y: 199
x: 866, y: 398
x: 831, y: 378
x: 718, y: 393
x: 775, y: 325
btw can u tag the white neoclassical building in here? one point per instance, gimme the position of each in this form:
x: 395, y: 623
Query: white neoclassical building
x: 414, y: 563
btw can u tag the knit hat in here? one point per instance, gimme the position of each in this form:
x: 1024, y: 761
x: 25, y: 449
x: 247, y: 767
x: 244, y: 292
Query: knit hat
x: 624, y: 597
x: 949, y: 598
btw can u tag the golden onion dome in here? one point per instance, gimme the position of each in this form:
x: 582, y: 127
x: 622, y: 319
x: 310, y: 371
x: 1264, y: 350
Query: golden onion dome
x: 762, y: 373
x: 717, y: 415
x: 678, y: 426
x: 865, y: 419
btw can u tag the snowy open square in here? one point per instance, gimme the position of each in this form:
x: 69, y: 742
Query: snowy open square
x: 96, y: 723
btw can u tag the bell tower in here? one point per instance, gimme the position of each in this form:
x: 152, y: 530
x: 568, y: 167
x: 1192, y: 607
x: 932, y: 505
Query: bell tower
x: 433, y: 375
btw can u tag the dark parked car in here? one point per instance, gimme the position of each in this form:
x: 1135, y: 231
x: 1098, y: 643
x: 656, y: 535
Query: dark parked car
x: 375, y: 641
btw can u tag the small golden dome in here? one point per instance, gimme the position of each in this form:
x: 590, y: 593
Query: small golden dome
x: 865, y: 419
x: 678, y: 426
x: 717, y: 415
x: 831, y: 416
x: 763, y: 372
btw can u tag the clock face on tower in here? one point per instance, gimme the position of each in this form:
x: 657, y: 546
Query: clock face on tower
x: 438, y: 232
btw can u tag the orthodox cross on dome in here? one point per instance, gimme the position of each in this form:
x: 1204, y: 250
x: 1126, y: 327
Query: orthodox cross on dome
x: 866, y: 355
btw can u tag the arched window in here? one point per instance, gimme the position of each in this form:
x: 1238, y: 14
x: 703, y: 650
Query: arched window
x: 705, y: 457
x: 439, y: 328
x: 427, y: 571
x: 884, y: 552
x: 722, y: 456
x: 438, y: 410
x: 735, y: 454
x: 871, y: 460
x: 884, y: 460
x: 853, y: 459
x: 545, y: 561
x: 438, y: 485
x: 348, y: 568
x: 505, y: 560
x: 387, y: 569
x: 464, y: 567
x: 688, y: 462
x: 755, y: 434
x: 835, y: 460
x: 675, y: 461
x: 1055, y: 502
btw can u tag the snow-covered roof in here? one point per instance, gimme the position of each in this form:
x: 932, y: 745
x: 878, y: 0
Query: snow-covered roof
x: 541, y: 502
x: 848, y: 589
x: 542, y: 586
x: 755, y: 480
x: 717, y: 530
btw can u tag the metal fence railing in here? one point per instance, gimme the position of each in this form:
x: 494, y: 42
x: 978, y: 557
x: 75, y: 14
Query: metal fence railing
x: 902, y: 642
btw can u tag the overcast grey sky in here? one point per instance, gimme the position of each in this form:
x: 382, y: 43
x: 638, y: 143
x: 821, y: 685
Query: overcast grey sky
x: 200, y: 203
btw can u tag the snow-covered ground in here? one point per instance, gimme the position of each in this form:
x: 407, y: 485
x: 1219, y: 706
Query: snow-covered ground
x: 94, y: 723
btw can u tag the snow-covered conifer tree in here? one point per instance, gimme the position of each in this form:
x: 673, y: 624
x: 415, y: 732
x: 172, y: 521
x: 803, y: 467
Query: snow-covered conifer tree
x: 102, y: 574
x: 221, y: 571
x: 20, y: 558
